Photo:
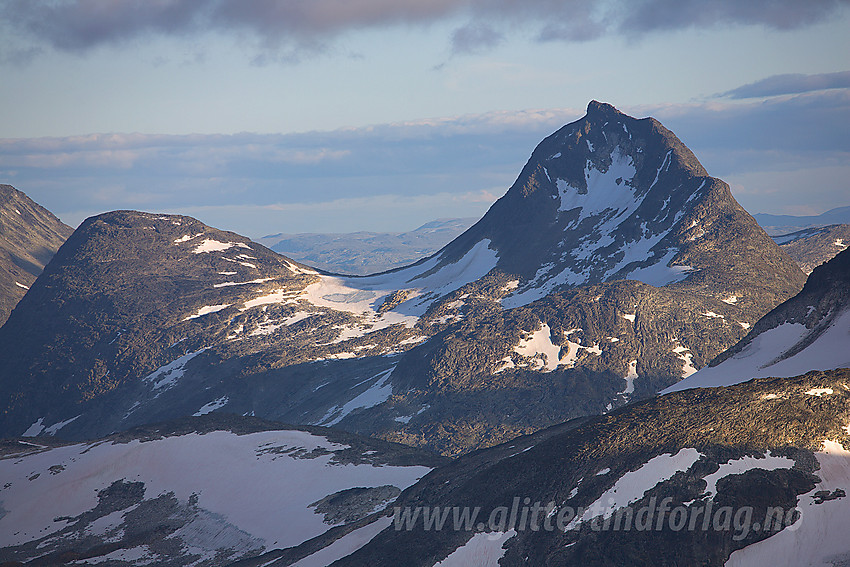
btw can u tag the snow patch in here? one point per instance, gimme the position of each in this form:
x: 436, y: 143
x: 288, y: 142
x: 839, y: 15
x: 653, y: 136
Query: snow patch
x: 346, y: 545
x: 407, y: 418
x: 765, y: 355
x: 633, y: 485
x: 603, y: 191
x: 377, y: 393
x: 539, y: 345
x: 228, y: 284
x: 210, y: 245
x: 57, y: 426
x: 278, y: 296
x: 819, y: 392
x: 187, y: 238
x: 819, y: 537
x: 207, y: 309
x: 34, y: 429
x: 660, y: 273
x: 504, y: 364
x: 744, y: 464
x: 212, y: 406
x: 274, y: 483
x: 168, y: 375
x: 685, y: 356
x: 630, y: 378
x: 482, y: 550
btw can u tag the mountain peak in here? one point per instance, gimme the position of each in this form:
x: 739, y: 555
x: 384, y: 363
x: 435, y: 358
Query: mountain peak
x: 596, y: 108
x: 611, y: 197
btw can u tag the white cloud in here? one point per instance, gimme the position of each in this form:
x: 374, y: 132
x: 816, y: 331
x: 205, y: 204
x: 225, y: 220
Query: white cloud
x: 396, y: 176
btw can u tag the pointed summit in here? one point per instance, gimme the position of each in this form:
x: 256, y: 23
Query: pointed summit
x: 596, y: 108
x: 610, y: 197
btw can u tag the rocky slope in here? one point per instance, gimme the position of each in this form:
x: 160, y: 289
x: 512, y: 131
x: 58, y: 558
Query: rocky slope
x: 362, y: 253
x: 200, y: 491
x: 751, y: 474
x: 29, y: 236
x: 612, y: 268
x: 810, y: 331
x: 811, y: 247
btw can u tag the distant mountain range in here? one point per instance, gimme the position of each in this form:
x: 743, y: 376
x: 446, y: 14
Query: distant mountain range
x: 781, y: 224
x: 811, y: 247
x: 362, y: 253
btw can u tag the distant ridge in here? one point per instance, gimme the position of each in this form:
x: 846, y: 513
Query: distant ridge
x: 778, y: 224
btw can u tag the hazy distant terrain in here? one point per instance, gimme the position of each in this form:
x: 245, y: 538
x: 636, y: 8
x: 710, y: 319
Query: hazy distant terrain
x: 361, y: 253
x: 784, y: 224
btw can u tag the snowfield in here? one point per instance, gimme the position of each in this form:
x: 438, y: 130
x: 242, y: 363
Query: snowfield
x: 259, y: 485
x: 819, y: 537
x: 764, y: 356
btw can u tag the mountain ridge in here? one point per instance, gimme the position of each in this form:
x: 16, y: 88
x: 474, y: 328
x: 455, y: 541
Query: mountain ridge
x: 808, y: 331
x: 29, y: 236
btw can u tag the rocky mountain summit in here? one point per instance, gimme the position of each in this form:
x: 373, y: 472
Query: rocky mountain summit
x: 29, y: 236
x: 612, y: 268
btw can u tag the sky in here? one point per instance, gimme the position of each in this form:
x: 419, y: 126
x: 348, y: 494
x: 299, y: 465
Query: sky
x: 340, y: 115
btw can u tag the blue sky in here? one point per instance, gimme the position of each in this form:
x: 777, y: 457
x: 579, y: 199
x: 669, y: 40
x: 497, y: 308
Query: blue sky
x: 339, y: 115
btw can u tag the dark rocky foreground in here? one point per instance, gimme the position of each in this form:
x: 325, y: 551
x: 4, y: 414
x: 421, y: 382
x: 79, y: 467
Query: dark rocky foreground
x: 574, y: 465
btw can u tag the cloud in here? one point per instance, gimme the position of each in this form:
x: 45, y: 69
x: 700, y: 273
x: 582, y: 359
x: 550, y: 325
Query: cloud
x: 288, y: 29
x: 803, y: 124
x: 472, y: 38
x: 791, y: 84
x: 388, y: 176
x: 397, y: 176
x: 654, y: 15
